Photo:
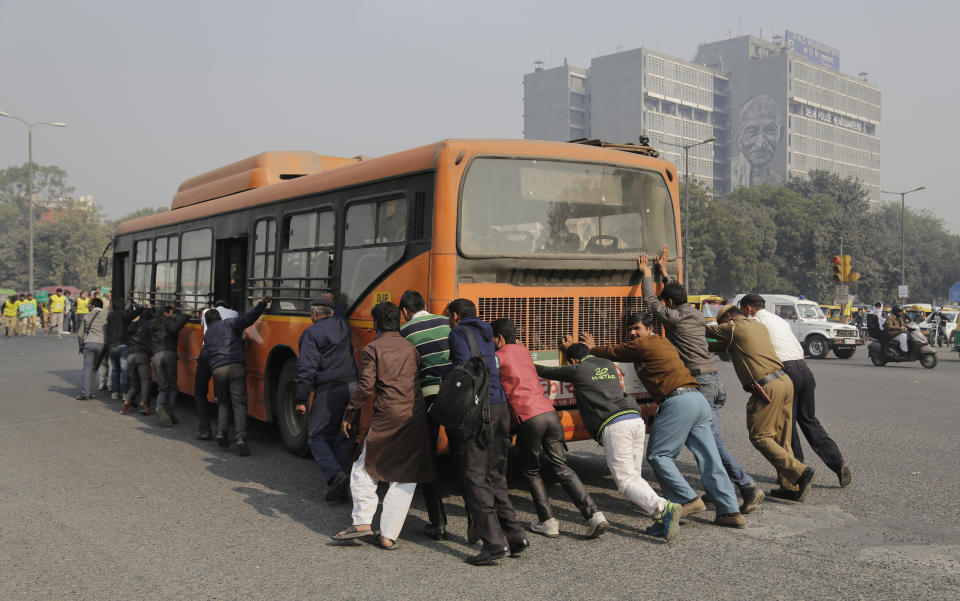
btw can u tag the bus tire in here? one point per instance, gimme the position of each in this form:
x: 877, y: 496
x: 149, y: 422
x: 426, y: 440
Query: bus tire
x: 293, y: 427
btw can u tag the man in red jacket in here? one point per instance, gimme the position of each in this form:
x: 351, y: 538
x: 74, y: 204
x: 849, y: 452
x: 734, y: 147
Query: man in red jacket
x: 539, y: 429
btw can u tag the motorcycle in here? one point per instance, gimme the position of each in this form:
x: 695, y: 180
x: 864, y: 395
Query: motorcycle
x: 937, y: 335
x: 918, y: 345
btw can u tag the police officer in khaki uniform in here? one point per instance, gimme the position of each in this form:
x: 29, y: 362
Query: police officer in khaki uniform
x: 770, y: 408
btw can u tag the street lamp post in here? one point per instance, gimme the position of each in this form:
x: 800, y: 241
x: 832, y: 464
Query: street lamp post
x: 686, y: 200
x: 903, y: 202
x: 30, y: 127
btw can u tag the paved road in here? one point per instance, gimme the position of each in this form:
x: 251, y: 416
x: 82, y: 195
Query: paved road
x: 96, y: 505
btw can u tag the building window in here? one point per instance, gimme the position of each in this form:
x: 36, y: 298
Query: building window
x: 374, y: 239
x: 577, y: 117
x: 577, y: 84
x: 306, y: 259
x: 578, y: 101
x: 196, y: 252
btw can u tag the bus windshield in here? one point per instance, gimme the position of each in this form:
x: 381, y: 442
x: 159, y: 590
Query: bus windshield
x: 530, y: 207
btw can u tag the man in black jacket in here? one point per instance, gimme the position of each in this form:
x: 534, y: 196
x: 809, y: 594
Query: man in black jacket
x: 326, y: 368
x: 139, y: 350
x: 484, y: 464
x: 164, y: 338
x: 116, y: 341
x: 224, y: 342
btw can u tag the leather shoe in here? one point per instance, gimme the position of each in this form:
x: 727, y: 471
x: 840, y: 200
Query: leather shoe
x: 242, y: 449
x: 204, y: 435
x: 782, y: 493
x: 752, y: 496
x: 518, y: 547
x: 473, y: 533
x: 435, y: 532
x: 693, y: 507
x: 338, y: 487
x: 845, y: 475
x: 803, y: 484
x: 488, y: 557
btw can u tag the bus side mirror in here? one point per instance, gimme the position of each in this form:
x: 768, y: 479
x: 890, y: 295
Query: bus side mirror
x: 102, y: 266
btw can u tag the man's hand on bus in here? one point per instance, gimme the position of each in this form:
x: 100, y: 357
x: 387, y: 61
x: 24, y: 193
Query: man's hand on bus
x: 587, y: 339
x: 662, y: 259
x: 567, y: 341
x: 643, y: 264
x: 266, y: 300
x: 345, y: 428
x: 301, y: 408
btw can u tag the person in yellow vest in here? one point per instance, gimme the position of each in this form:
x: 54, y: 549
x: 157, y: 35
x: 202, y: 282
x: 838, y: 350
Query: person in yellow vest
x: 28, y: 315
x: 57, y: 305
x: 10, y: 315
x: 83, y: 305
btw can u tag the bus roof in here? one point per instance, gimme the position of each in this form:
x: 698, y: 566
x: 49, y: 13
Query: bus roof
x: 355, y: 171
x: 260, y: 170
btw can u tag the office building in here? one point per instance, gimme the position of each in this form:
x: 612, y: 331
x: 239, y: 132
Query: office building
x: 777, y: 109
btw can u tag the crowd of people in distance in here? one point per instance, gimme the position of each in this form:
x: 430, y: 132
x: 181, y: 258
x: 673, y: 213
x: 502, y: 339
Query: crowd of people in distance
x: 60, y: 314
x: 400, y: 375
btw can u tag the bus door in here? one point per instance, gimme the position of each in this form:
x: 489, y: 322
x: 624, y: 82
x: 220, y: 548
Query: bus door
x: 230, y: 273
x: 119, y: 280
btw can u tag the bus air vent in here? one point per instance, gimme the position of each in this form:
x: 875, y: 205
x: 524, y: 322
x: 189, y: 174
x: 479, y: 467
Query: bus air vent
x: 419, y: 213
x: 571, y: 277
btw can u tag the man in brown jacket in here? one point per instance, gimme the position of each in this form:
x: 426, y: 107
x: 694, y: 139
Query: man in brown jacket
x: 396, y: 448
x: 770, y: 408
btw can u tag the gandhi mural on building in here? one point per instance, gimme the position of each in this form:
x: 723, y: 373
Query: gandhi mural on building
x: 759, y: 131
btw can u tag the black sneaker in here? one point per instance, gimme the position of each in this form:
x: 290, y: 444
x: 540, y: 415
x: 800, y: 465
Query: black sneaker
x: 203, y: 435
x: 242, y: 449
x: 222, y: 440
x: 163, y: 417
x: 435, y: 532
x: 84, y: 397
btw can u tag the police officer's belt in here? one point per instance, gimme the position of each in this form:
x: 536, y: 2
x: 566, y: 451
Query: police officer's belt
x: 771, y: 377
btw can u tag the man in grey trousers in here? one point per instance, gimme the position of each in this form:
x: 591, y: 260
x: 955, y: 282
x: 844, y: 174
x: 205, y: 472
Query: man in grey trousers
x: 90, y: 334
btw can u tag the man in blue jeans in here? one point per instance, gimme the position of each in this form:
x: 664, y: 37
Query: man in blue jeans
x: 686, y: 328
x: 683, y: 418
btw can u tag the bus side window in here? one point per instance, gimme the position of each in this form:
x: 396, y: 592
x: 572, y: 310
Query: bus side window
x: 196, y: 264
x: 373, y: 241
x: 142, y: 273
x: 306, y: 258
x: 264, y: 257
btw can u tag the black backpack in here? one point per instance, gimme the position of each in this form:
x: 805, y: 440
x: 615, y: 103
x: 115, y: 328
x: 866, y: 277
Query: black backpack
x: 462, y: 405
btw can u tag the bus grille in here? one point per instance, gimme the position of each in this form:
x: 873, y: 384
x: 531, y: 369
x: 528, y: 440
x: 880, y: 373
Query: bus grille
x: 542, y: 321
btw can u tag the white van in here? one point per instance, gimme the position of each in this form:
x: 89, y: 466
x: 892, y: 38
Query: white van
x: 817, y: 335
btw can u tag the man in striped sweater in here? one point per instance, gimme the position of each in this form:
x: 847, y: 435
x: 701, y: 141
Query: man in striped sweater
x: 428, y: 333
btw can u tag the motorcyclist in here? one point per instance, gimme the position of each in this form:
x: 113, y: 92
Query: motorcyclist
x: 896, y: 328
x: 938, y: 320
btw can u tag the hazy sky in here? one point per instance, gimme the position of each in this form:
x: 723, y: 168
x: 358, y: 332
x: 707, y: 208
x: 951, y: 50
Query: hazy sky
x: 156, y: 92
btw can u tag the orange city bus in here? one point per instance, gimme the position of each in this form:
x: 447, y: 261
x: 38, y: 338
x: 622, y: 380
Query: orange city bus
x: 546, y: 233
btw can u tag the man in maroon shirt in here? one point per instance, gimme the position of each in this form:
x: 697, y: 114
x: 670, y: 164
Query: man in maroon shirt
x: 539, y: 430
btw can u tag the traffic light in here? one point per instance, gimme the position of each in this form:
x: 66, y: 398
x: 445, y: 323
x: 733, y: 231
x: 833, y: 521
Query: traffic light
x: 845, y: 273
x: 837, y: 269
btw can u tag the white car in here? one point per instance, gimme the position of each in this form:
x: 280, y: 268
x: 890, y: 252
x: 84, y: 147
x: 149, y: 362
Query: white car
x: 949, y: 328
x: 817, y: 335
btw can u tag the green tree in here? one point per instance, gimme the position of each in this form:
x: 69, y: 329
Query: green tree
x: 68, y: 237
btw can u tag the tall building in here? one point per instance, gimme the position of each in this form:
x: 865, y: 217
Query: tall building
x: 793, y: 111
x: 776, y: 108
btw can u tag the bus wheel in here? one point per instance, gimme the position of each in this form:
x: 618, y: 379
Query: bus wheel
x: 293, y: 427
